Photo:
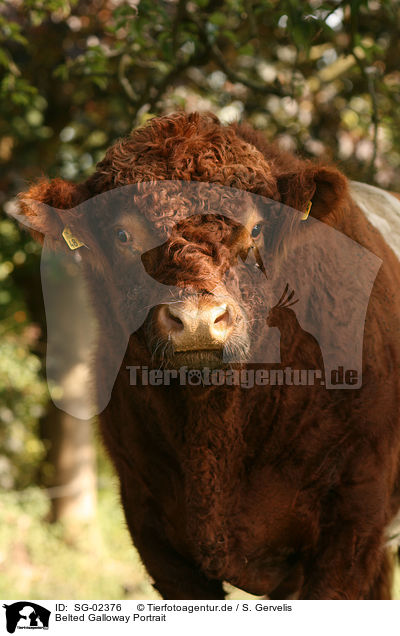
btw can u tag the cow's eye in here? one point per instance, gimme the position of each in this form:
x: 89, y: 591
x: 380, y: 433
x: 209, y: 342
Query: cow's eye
x: 123, y: 236
x: 256, y: 231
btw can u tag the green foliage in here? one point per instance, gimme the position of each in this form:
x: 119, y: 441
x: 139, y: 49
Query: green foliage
x: 22, y: 396
x: 290, y: 67
x: 23, y: 393
x: 41, y: 561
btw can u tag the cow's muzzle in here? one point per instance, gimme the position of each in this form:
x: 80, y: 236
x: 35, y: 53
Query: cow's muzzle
x: 203, y: 322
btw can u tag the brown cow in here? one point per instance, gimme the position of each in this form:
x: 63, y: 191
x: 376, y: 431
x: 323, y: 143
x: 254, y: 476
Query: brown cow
x: 280, y: 490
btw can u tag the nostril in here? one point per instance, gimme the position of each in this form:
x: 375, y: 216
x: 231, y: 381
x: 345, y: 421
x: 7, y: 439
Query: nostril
x: 221, y: 323
x: 175, y: 319
x: 169, y: 321
x: 224, y: 317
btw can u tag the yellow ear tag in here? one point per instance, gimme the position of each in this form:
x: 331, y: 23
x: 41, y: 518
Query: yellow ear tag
x: 72, y: 242
x: 307, y: 211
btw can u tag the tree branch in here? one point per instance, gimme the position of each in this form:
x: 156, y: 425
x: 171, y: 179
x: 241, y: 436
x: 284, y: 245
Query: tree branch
x: 236, y: 78
x: 124, y: 62
x: 370, y: 171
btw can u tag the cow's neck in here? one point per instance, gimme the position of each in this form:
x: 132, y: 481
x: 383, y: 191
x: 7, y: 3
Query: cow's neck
x: 212, y: 463
x: 210, y: 447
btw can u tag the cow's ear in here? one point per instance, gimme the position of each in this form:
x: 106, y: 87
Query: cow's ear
x: 325, y: 187
x: 48, y: 207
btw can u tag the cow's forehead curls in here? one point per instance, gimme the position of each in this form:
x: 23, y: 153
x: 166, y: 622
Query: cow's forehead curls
x: 188, y: 148
x: 164, y: 203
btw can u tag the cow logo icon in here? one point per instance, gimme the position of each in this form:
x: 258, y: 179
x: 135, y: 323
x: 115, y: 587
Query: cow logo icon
x: 26, y: 615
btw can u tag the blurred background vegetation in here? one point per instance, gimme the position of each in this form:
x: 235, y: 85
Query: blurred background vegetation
x: 322, y: 78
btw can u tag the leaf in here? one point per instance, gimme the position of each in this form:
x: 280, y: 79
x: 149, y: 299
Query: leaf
x: 247, y: 49
x: 4, y: 58
x: 218, y: 18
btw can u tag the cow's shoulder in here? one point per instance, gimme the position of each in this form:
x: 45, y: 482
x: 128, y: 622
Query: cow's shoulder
x: 382, y: 209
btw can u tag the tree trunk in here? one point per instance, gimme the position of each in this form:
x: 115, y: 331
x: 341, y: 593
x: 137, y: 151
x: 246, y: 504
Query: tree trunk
x: 72, y: 456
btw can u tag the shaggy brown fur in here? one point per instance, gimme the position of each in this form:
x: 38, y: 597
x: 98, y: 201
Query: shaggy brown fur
x: 281, y: 491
